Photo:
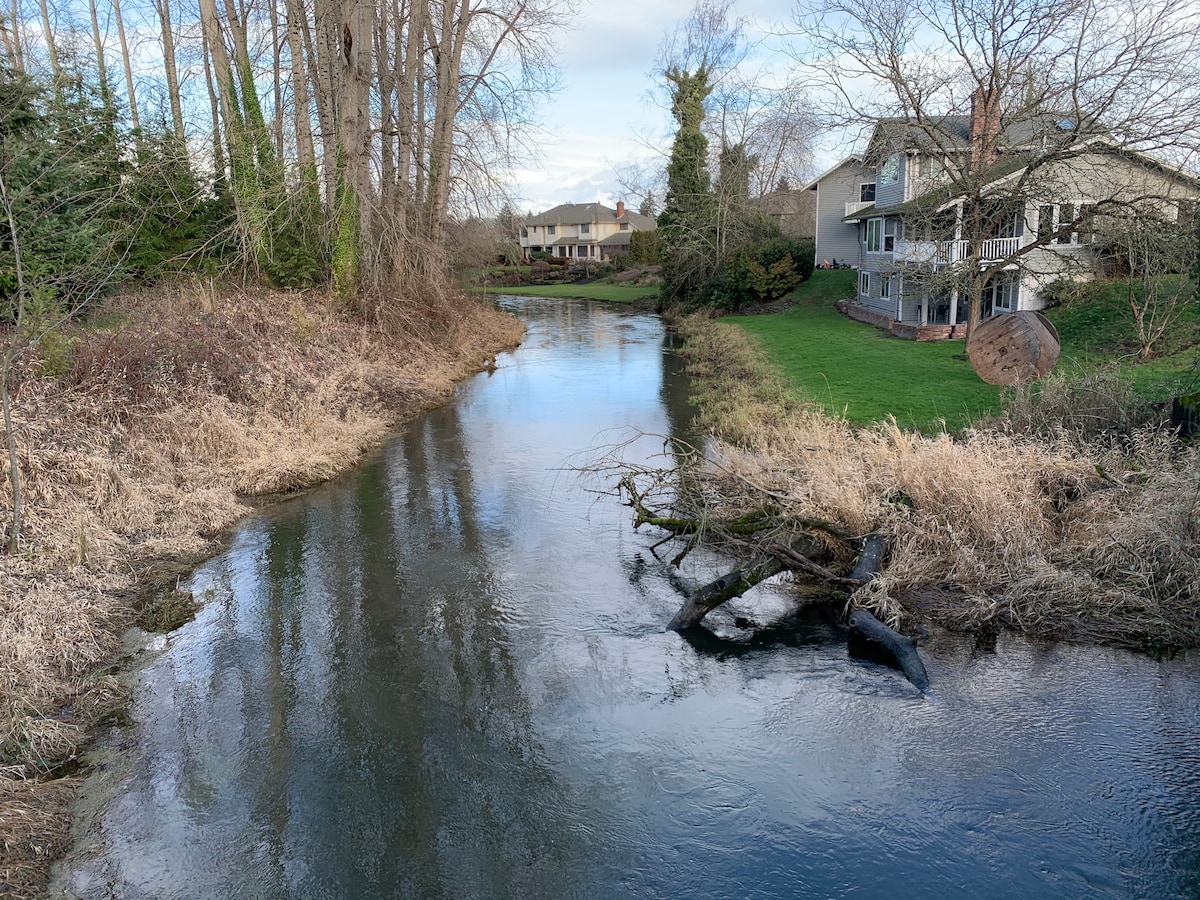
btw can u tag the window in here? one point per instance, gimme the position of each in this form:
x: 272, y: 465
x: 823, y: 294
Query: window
x: 1087, y: 215
x: 1045, y: 222
x: 866, y: 192
x: 885, y: 287
x: 930, y: 167
x: 524, y: 232
x: 585, y: 229
x: 624, y: 226
x: 551, y: 230
x: 864, y: 284
x: 1051, y: 219
x: 874, y: 235
x: 1001, y: 293
x: 1066, y: 214
x: 891, y: 230
x: 889, y: 172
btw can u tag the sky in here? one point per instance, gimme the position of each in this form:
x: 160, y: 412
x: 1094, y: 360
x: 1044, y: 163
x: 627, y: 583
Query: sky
x: 605, y: 117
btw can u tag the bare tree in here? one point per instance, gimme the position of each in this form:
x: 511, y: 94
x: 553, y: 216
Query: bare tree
x: 127, y: 59
x: 1158, y: 256
x: 167, y: 30
x: 1056, y: 93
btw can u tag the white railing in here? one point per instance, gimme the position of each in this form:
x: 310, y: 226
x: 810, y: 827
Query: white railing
x: 945, y: 253
x: 852, y: 208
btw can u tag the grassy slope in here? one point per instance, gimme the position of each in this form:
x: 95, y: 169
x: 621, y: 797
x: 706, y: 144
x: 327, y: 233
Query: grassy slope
x: 857, y: 371
x: 1097, y: 332
x: 618, y: 293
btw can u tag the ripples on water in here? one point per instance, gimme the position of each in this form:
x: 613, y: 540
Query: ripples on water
x: 446, y: 676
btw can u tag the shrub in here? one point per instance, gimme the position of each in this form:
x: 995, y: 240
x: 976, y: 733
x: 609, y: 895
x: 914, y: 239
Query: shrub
x: 1065, y: 292
x: 645, y: 247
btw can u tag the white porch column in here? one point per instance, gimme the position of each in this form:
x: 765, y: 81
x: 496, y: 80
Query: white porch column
x: 954, y: 307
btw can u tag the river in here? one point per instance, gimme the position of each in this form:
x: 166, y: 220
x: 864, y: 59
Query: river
x: 446, y: 675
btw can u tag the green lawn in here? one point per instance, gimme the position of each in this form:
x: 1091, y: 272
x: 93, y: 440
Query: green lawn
x: 617, y: 293
x: 855, y: 370
x: 859, y: 372
x: 1096, y: 331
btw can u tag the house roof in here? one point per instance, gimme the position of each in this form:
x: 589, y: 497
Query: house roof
x: 952, y: 134
x: 1008, y: 167
x: 853, y: 159
x: 587, y: 213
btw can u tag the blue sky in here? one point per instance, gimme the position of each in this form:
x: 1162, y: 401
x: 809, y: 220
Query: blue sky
x: 605, y: 117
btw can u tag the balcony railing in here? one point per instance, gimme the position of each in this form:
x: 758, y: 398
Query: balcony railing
x: 945, y: 253
x: 852, y: 208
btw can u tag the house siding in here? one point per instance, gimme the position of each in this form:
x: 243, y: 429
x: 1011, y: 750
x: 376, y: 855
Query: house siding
x: 836, y: 239
x: 891, y: 194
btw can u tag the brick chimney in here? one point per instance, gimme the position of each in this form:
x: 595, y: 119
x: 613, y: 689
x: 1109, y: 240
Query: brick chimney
x: 985, y: 126
x: 620, y: 208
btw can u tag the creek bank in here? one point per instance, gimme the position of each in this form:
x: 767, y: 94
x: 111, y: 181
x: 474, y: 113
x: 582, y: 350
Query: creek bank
x: 145, y: 434
x: 1041, y: 529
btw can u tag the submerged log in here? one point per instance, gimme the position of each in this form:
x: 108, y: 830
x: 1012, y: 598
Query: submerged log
x: 900, y: 648
x: 713, y: 594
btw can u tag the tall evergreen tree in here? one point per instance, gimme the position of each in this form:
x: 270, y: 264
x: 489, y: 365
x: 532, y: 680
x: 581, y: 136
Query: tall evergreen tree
x: 687, y: 223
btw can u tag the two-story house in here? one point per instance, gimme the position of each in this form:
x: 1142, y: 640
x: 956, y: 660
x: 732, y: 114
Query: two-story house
x: 1036, y: 217
x: 585, y: 231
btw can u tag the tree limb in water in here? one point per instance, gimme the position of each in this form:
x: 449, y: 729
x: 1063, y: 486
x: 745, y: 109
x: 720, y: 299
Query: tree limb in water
x: 899, y: 648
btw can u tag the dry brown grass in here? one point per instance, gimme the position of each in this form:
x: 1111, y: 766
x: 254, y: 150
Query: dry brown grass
x: 179, y: 405
x: 1040, y: 522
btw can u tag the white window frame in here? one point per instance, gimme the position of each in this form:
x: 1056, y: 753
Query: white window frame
x: 889, y: 172
x: 864, y: 284
x: 862, y: 189
x: 874, y: 239
x: 891, y: 231
x: 885, y: 287
x: 1006, y: 292
x: 585, y: 229
x: 930, y: 166
x: 551, y: 230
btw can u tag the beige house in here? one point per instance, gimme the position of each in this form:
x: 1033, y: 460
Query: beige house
x: 585, y: 231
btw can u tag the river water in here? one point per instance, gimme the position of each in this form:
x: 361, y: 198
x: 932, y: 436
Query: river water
x: 446, y: 675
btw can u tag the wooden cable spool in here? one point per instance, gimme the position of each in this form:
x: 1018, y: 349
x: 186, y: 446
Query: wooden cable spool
x: 1014, y: 348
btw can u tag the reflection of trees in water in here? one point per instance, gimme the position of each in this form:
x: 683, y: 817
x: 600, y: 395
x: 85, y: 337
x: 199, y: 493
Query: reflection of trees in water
x: 388, y: 737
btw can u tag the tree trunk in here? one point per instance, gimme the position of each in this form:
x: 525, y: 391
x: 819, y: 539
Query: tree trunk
x: 11, y: 33
x: 10, y: 354
x: 899, y: 648
x: 169, y: 66
x: 101, y: 67
x: 305, y: 150
x: 276, y: 79
x: 713, y: 594
x: 52, y: 51
x: 451, y: 39
x: 134, y: 118
x: 218, y: 143
x: 354, y: 144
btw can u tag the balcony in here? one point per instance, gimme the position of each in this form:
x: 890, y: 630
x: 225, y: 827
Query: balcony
x: 946, y: 253
x: 852, y: 208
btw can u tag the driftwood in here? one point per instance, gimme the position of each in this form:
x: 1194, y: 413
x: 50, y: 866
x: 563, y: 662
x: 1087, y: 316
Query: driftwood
x: 899, y: 648
x: 871, y: 559
x: 713, y: 594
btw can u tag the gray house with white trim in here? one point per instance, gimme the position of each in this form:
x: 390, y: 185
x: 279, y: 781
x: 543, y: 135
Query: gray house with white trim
x: 910, y: 241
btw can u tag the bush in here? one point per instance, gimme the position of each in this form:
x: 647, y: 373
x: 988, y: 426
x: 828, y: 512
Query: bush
x: 645, y: 247
x: 1065, y: 292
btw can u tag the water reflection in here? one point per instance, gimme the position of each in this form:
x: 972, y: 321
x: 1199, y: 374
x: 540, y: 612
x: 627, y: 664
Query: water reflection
x: 446, y: 676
